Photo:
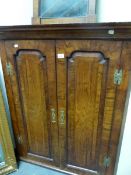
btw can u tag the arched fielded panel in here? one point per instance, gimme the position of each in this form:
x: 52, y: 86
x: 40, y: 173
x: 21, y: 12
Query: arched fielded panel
x: 32, y: 81
x: 86, y: 91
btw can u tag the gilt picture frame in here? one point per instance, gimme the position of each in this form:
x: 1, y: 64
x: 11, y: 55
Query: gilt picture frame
x: 8, y: 161
x: 90, y: 17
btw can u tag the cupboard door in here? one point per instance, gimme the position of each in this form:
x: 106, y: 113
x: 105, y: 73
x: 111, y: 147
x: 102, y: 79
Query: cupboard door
x: 86, y: 100
x: 32, y: 76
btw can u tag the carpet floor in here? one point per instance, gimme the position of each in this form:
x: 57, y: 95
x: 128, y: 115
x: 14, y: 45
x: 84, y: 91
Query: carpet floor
x: 30, y: 169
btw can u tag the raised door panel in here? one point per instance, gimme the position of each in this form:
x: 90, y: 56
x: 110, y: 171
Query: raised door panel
x: 32, y: 77
x: 31, y: 73
x: 87, y: 95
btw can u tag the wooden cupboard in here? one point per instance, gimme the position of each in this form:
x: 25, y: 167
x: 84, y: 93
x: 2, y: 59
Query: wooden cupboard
x: 67, y: 88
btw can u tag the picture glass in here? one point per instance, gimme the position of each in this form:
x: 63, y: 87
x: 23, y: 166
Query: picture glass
x: 62, y: 9
x: 2, y: 160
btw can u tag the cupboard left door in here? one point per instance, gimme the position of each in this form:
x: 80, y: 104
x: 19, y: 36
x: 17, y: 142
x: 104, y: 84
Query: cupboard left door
x: 30, y: 75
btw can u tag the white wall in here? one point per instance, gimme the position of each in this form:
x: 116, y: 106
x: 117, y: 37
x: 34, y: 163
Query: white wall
x: 114, y: 10
x: 124, y: 165
x: 16, y: 12
x: 19, y: 12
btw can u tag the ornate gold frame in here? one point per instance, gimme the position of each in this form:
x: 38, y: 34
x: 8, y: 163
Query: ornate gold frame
x: 10, y: 161
x: 90, y: 18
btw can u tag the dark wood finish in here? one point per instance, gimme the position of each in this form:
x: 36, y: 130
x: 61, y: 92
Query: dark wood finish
x: 33, y: 85
x: 81, y: 90
x: 80, y: 87
x: 122, y: 31
x: 86, y: 91
x: 121, y: 94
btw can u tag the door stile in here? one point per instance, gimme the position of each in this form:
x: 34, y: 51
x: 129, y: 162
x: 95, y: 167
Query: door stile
x: 61, y: 97
x: 106, y: 159
x: 119, y: 106
x: 16, y: 122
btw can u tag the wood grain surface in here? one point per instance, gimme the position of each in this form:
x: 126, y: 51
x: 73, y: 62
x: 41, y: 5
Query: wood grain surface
x: 79, y: 88
x: 87, y: 92
x: 33, y: 86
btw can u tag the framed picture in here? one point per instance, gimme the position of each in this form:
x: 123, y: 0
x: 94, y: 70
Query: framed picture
x: 59, y: 11
x: 7, y: 157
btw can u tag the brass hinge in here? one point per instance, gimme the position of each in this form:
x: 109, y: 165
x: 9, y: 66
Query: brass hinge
x: 118, y: 76
x: 9, y: 68
x: 62, y: 116
x: 107, y: 161
x: 19, y: 140
x: 53, y: 115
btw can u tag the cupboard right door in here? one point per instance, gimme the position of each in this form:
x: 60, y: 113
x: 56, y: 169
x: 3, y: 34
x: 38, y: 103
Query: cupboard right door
x: 86, y: 91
